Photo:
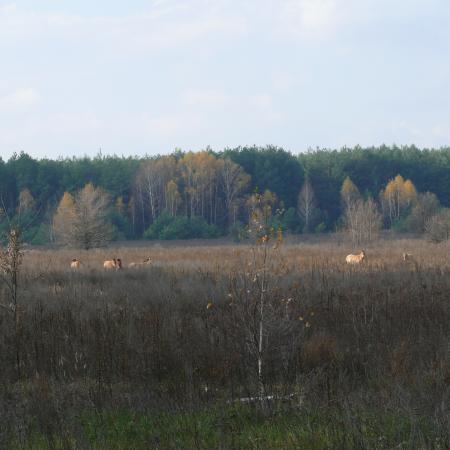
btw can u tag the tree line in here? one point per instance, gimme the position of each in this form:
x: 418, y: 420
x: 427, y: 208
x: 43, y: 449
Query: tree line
x: 208, y: 194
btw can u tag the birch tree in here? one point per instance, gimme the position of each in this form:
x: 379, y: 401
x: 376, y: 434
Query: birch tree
x: 363, y: 221
x: 173, y: 197
x: 152, y: 179
x: 398, y: 196
x: 350, y: 198
x: 234, y: 181
x: 306, y: 204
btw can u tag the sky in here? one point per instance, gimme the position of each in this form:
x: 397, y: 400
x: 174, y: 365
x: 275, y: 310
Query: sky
x: 149, y: 76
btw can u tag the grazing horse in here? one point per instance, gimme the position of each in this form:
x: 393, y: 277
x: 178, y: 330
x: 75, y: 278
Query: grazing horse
x: 146, y: 262
x: 75, y: 263
x: 113, y: 264
x: 407, y: 256
x: 355, y: 259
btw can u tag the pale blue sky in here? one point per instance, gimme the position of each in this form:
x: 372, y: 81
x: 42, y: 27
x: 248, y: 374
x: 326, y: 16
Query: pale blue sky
x: 146, y: 76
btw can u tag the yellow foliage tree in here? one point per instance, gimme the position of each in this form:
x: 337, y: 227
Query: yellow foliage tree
x: 409, y: 193
x: 398, y: 196
x: 81, y: 220
x: 349, y: 193
x: 233, y: 180
x: 263, y: 203
x: 120, y: 205
x: 63, y: 218
x: 199, y: 172
x: 26, y: 200
x: 173, y: 197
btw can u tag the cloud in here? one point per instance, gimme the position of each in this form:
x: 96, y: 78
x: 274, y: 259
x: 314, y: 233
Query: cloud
x: 19, y: 100
x: 178, y: 123
x: 284, y: 82
x: 163, y: 125
x: 262, y: 101
x: 441, y: 131
x: 202, y: 102
x: 165, y: 25
x: 317, y: 20
x: 205, y: 98
x: 223, y: 71
x: 309, y: 19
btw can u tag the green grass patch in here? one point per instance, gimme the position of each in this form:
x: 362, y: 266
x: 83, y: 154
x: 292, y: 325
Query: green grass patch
x: 245, y: 428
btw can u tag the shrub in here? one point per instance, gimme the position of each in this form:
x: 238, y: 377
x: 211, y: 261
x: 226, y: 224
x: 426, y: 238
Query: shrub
x: 167, y: 227
x: 122, y: 228
x: 39, y: 235
x: 239, y: 232
x: 291, y: 221
x: 321, y: 228
x: 161, y: 222
x: 31, y: 231
x: 400, y: 225
x: 437, y: 228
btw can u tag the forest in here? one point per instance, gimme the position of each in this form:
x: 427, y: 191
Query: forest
x: 216, y: 345
x: 207, y: 194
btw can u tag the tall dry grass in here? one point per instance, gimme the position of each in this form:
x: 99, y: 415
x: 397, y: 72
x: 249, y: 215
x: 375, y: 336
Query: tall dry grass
x: 179, y: 333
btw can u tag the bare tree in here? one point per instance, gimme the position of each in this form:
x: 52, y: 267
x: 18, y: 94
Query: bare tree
x: 82, y: 220
x: 151, y: 182
x: 233, y: 181
x: 437, y: 227
x: 306, y: 204
x: 10, y: 262
x: 427, y: 206
x: 256, y: 311
x: 199, y: 172
x: 349, y: 197
x: 363, y: 221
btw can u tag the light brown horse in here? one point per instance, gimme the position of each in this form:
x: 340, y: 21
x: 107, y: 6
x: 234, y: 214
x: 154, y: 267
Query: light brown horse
x: 75, y: 264
x: 113, y: 264
x: 355, y: 259
x: 146, y: 262
x: 407, y: 257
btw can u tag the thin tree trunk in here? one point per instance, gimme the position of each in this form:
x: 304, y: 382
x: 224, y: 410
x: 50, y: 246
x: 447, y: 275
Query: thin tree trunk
x: 261, y: 326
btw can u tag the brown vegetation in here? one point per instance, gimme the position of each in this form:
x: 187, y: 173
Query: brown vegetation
x: 180, y: 333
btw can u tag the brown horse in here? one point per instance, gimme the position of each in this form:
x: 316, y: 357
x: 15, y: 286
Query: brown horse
x: 113, y: 264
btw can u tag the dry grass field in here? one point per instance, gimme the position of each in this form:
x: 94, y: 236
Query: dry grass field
x: 357, y: 356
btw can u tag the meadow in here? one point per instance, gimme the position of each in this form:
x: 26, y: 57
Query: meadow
x: 165, y: 356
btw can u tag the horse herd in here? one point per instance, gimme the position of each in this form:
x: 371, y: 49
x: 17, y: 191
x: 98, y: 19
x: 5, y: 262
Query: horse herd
x: 116, y: 263
x: 359, y: 258
x: 113, y: 264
